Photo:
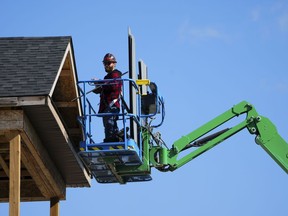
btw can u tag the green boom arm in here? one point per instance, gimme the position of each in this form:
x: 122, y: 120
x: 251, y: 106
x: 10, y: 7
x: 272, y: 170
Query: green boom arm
x: 267, y: 137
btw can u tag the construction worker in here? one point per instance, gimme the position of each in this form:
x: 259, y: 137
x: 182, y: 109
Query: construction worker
x: 110, y: 98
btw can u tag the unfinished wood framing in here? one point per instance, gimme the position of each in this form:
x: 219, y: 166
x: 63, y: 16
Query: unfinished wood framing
x: 22, y: 101
x: 39, y: 131
x: 35, y: 160
x: 15, y: 169
x: 4, y: 166
x: 54, y: 206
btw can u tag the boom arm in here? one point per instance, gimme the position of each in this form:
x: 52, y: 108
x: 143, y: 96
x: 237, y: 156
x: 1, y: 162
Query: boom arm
x: 267, y: 137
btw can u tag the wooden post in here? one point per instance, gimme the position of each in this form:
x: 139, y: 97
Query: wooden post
x: 54, y: 206
x: 14, y: 176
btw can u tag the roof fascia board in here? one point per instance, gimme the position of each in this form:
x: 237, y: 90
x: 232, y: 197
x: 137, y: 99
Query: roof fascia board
x: 75, y: 77
x: 65, y: 135
x: 68, y: 49
x: 22, y: 101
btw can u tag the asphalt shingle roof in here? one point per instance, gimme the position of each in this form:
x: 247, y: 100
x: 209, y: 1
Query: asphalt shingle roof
x: 29, y: 65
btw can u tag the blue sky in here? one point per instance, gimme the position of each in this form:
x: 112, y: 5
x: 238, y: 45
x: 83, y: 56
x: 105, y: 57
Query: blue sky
x: 205, y: 57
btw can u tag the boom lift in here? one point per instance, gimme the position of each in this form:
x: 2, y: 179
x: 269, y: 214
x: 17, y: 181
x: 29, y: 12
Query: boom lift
x: 131, y: 159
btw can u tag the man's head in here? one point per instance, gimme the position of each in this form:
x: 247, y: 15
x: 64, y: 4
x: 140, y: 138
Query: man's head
x: 109, y: 62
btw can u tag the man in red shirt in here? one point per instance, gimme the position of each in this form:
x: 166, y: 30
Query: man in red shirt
x: 110, y: 98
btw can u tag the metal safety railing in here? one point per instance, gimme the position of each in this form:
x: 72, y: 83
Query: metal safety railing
x: 89, y: 113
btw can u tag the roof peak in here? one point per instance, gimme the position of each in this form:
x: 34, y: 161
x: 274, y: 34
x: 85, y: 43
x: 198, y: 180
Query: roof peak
x: 36, y: 37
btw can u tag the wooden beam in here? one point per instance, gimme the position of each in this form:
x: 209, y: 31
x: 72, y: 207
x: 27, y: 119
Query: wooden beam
x: 14, y: 180
x: 29, y: 191
x: 33, y: 100
x: 35, y: 157
x: 43, y: 165
x: 35, y: 171
x: 54, y: 206
x: 24, y: 173
x: 22, y: 101
x: 4, y: 147
x: 8, y: 101
x: 4, y: 166
x: 3, y: 139
x: 11, y: 120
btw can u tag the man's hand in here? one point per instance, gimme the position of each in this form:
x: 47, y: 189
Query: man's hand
x: 97, y: 90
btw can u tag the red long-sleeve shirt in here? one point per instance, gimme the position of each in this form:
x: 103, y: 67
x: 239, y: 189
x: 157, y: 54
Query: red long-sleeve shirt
x: 111, y: 90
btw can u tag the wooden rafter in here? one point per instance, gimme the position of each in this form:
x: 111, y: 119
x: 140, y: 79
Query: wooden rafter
x: 35, y: 159
x: 43, y: 165
x: 4, y: 166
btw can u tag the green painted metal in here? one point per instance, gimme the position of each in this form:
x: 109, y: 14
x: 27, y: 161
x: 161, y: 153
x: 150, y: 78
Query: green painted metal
x: 265, y: 132
x: 165, y: 159
x: 272, y: 142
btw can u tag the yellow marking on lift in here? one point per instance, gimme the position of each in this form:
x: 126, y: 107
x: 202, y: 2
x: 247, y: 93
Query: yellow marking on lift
x: 96, y: 148
x: 115, y: 147
x: 143, y: 82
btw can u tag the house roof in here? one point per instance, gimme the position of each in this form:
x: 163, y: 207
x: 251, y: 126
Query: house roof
x: 29, y: 65
x: 38, y: 75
